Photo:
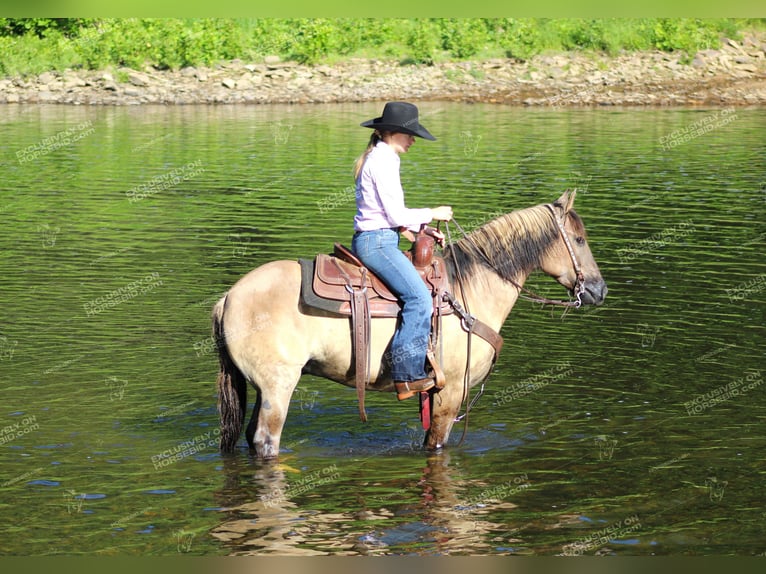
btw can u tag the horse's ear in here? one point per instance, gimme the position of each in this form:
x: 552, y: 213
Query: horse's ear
x: 566, y: 201
x: 571, y: 200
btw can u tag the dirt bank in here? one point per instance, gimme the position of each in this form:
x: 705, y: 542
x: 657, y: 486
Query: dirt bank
x: 734, y: 75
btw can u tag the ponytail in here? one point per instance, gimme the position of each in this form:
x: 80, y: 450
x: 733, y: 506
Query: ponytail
x: 374, y: 139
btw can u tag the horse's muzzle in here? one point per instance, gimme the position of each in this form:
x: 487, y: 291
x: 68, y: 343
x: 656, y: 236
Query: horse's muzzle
x: 594, y: 293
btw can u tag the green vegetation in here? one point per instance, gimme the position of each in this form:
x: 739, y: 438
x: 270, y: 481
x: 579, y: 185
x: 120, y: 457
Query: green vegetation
x: 34, y: 45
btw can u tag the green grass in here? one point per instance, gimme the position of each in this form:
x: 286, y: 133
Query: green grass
x: 31, y: 46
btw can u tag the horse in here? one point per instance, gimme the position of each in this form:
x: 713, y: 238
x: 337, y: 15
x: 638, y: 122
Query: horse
x: 266, y: 339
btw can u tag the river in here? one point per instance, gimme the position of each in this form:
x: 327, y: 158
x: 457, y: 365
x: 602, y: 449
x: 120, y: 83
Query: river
x: 638, y: 427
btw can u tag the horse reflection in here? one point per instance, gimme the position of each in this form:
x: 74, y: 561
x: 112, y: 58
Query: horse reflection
x: 282, y: 520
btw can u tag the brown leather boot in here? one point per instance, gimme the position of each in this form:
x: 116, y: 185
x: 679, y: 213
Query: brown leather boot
x: 407, y: 389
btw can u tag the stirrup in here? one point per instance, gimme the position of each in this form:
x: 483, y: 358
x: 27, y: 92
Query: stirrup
x: 438, y: 374
x: 407, y: 389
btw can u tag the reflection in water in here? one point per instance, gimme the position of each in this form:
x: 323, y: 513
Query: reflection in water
x: 441, y: 521
x: 273, y: 523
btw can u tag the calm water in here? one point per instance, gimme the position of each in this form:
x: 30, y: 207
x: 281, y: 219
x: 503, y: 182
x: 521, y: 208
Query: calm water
x: 641, y: 426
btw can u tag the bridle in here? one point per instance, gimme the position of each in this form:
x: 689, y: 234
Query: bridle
x: 579, y: 287
x: 577, y: 290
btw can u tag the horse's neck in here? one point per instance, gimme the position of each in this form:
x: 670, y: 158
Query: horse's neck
x: 490, y: 298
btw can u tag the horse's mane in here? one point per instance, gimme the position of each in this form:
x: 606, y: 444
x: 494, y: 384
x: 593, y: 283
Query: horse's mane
x: 510, y: 245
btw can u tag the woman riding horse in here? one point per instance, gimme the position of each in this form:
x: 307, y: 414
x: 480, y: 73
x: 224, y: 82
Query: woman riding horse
x: 380, y: 216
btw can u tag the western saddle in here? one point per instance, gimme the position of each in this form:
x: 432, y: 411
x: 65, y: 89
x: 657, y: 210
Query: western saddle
x: 342, y: 285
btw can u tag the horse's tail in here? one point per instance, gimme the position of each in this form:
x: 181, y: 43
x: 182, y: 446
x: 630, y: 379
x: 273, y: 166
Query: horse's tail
x: 232, y: 386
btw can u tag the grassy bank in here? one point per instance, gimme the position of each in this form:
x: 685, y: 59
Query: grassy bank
x: 33, y: 46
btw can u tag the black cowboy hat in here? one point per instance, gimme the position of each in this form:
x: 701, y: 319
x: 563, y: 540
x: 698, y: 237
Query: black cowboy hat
x: 399, y: 117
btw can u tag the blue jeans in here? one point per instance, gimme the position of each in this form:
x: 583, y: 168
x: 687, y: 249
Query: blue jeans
x: 379, y: 251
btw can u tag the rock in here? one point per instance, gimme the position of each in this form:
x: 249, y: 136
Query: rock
x: 12, y: 98
x: 699, y: 62
x: 728, y: 42
x: 46, y: 78
x: 672, y: 64
x: 107, y: 78
x: 138, y: 79
x: 492, y: 64
x: 132, y: 92
x: 277, y: 73
x: 228, y: 83
x: 71, y: 81
x: 272, y: 60
x: 244, y: 83
x: 201, y: 75
x: 556, y: 72
x: 189, y: 72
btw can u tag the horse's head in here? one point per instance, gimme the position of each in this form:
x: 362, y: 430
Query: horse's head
x: 569, y: 259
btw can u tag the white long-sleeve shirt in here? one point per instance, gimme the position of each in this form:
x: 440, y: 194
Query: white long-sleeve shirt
x: 380, y: 197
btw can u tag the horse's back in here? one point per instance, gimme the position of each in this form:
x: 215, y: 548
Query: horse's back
x: 273, y: 288
x: 262, y: 315
x: 274, y: 274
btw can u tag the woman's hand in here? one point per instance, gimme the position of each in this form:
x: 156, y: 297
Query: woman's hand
x: 435, y: 233
x: 441, y: 213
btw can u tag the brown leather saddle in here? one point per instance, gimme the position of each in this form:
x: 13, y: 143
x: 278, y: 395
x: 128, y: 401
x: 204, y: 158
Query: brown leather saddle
x: 335, y: 276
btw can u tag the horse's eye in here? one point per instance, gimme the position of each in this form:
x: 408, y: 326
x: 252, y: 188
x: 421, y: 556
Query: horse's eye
x: 580, y: 240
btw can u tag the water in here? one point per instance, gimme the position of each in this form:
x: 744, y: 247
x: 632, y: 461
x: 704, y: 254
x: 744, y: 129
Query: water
x: 122, y: 226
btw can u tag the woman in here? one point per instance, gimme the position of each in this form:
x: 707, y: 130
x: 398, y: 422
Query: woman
x: 380, y: 216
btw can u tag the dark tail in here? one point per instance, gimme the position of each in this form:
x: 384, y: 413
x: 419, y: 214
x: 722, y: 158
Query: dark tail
x: 232, y: 386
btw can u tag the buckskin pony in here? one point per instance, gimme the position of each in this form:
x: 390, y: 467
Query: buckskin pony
x: 266, y: 338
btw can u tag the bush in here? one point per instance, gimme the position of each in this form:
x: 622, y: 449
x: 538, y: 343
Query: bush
x: 687, y: 35
x: 42, y: 27
x: 163, y: 43
x: 270, y: 37
x: 33, y: 45
x: 520, y: 38
x: 314, y: 39
x: 25, y: 55
x: 463, y: 37
x: 423, y: 42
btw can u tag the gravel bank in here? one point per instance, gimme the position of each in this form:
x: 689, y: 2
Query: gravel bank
x: 734, y: 75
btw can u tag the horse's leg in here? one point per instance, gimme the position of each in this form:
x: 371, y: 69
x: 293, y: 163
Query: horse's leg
x: 270, y: 412
x: 446, y: 405
x: 253, y: 424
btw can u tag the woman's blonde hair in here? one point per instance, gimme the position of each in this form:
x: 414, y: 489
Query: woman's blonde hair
x: 374, y: 139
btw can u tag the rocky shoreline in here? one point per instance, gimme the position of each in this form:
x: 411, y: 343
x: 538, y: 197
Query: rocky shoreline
x: 734, y: 75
